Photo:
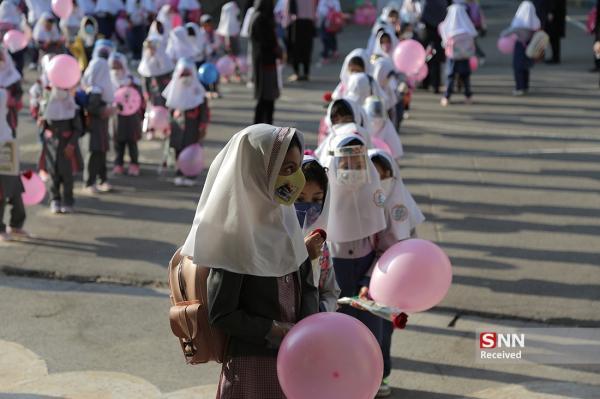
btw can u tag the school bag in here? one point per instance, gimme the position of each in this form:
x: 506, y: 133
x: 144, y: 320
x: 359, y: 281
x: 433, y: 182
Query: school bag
x: 334, y: 21
x: 460, y: 47
x: 537, y: 45
x: 188, y: 315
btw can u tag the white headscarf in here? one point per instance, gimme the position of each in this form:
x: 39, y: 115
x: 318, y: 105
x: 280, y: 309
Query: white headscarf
x: 381, y: 127
x: 198, y: 41
x: 10, y: 13
x: 86, y: 6
x: 238, y: 225
x: 40, y: 34
x: 245, y: 32
x: 74, y: 19
x: 36, y: 9
x: 321, y: 221
x: 185, y: 5
x: 180, y: 45
x: 137, y: 12
x: 184, y: 94
x: 401, y: 211
x: 345, y: 74
x: 60, y: 105
x: 378, y: 50
x: 5, y: 130
x: 157, y: 64
x: 96, y: 78
x: 355, y: 212
x: 382, y: 69
x: 153, y: 32
x: 411, y: 10
x: 88, y: 38
x: 229, y: 24
x: 457, y: 22
x: 8, y: 72
x: 109, y: 6
x: 526, y: 18
x: 125, y: 78
x: 361, y: 86
x: 379, y: 26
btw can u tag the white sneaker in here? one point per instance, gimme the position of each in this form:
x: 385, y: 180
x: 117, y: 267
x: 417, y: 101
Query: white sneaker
x: 179, y: 181
x: 189, y: 182
x: 518, y: 93
x: 104, y: 187
x: 66, y: 209
x: 384, y: 390
x: 91, y: 190
x: 5, y: 237
x: 444, y: 102
x: 55, y: 207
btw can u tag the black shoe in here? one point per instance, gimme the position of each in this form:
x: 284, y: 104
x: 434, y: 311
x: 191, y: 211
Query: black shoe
x: 303, y: 78
x: 594, y: 70
x: 552, y: 62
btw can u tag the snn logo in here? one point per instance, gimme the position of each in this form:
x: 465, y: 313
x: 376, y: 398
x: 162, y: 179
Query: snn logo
x: 491, y: 340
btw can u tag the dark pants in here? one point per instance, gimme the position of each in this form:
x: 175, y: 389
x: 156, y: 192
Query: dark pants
x: 387, y: 329
x: 96, y: 168
x: 19, y: 59
x: 399, y: 114
x: 120, y: 147
x: 106, y: 25
x: 17, y: 212
x: 135, y: 40
x: 521, y: 66
x: 263, y: 113
x: 305, y: 68
x: 66, y: 181
x: 434, y: 77
x: 555, y: 44
x: 463, y: 70
x: 350, y: 276
x: 329, y: 41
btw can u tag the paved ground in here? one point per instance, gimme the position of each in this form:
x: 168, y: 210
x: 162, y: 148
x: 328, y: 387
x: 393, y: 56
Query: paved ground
x: 510, y: 187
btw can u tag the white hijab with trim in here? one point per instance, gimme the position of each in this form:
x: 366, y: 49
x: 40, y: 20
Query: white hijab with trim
x: 157, y: 64
x: 229, y: 25
x: 60, y: 105
x: 401, y: 211
x: 321, y: 221
x: 184, y: 94
x: 355, y: 212
x: 239, y: 227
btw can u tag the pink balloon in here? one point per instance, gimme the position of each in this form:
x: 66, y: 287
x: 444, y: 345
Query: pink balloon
x: 506, y: 44
x: 322, y: 131
x: 422, y: 74
x: 176, y: 20
x: 121, y: 26
x: 15, y: 40
x: 158, y: 118
x: 413, y: 275
x: 129, y: 99
x: 380, y: 144
x: 409, y: 56
x: 329, y: 355
x: 474, y: 63
x: 226, y: 66
x: 191, y: 160
x: 35, y: 190
x: 63, y: 71
x: 242, y: 64
x: 62, y: 8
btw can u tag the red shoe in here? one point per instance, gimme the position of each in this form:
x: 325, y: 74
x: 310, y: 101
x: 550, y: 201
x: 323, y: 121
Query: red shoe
x: 118, y: 170
x: 134, y: 170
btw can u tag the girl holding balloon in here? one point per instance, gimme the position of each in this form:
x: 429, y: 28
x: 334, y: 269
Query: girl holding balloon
x: 261, y: 282
x: 97, y: 83
x: 127, y: 127
x: 186, y: 99
x: 458, y: 38
x: 11, y: 186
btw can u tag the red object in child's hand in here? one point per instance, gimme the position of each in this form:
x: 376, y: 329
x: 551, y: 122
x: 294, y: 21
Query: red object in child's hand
x: 327, y: 96
x: 27, y: 174
x: 321, y: 232
x: 309, y: 152
x: 400, y: 320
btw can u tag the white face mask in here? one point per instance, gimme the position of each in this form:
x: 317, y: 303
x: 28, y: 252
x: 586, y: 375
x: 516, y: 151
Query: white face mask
x: 351, y: 177
x: 387, y: 185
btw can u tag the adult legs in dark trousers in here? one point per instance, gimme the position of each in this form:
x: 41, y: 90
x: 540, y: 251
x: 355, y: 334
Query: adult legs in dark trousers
x: 434, y: 40
x: 263, y: 113
x: 96, y: 168
x: 555, y: 45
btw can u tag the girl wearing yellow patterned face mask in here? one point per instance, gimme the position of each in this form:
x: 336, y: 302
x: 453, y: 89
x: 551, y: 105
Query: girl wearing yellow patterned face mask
x: 261, y: 281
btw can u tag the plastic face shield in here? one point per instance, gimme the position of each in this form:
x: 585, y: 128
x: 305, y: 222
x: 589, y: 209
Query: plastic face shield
x: 351, y: 165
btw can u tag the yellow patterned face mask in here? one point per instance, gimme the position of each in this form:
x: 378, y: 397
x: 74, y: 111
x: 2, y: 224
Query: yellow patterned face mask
x: 288, y: 188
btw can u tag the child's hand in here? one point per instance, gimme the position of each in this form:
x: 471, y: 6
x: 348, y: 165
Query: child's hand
x: 364, y: 295
x: 314, y: 244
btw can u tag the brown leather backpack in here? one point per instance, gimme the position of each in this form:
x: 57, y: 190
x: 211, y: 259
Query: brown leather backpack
x: 200, y: 342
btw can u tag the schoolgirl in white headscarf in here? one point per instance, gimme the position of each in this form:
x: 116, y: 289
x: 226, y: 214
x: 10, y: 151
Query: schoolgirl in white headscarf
x: 36, y: 9
x: 179, y: 45
x: 345, y: 72
x: 190, y: 10
x: 229, y: 27
x: 70, y: 26
x: 10, y: 81
x: 197, y: 37
x: 457, y: 22
x: 387, y: 22
x: 385, y: 43
x: 381, y: 127
x: 46, y: 32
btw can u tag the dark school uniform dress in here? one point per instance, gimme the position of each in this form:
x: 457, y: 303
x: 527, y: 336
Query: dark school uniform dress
x: 99, y: 140
x: 244, y: 307
x: 153, y: 88
x: 187, y: 127
x: 127, y: 132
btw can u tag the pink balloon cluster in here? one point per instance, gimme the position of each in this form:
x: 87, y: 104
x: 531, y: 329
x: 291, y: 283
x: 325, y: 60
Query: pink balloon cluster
x: 413, y: 275
x: 330, y: 355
